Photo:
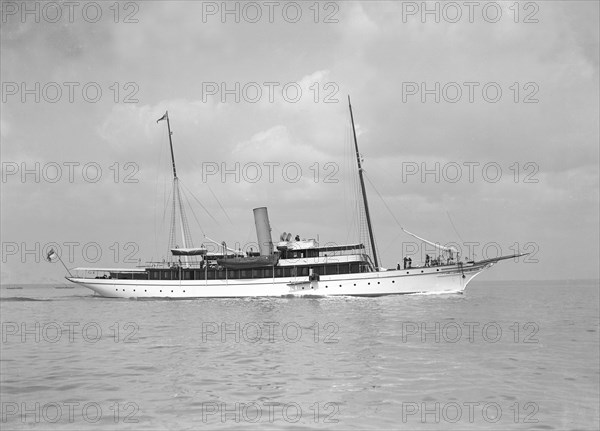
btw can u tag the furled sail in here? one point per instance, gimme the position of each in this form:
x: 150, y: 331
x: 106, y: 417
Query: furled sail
x: 196, y: 251
x: 451, y: 249
x: 236, y: 252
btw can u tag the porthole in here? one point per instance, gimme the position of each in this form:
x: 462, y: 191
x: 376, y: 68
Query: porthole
x: 421, y: 271
x: 117, y: 290
x: 369, y: 283
x: 407, y: 272
x: 145, y: 290
x: 393, y: 281
x: 437, y: 270
x: 171, y: 291
x: 378, y: 283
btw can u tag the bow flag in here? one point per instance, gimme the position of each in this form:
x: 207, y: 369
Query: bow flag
x: 51, y: 255
x: 164, y: 117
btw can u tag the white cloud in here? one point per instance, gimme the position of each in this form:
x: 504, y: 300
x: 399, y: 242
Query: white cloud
x: 170, y: 53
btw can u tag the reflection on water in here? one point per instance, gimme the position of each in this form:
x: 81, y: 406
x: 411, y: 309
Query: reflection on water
x: 502, y: 356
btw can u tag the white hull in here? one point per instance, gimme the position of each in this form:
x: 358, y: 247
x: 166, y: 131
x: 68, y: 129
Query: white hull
x: 290, y: 255
x: 441, y: 279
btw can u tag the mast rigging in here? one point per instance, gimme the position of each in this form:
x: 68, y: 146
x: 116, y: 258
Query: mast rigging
x: 177, y: 203
x: 363, y: 191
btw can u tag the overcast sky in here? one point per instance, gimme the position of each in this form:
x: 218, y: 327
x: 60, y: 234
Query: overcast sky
x: 510, y: 144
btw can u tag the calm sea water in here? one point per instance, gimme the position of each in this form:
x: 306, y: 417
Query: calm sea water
x: 511, y: 355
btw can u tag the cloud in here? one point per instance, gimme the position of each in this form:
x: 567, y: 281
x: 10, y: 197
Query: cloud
x: 4, y: 128
x: 171, y: 54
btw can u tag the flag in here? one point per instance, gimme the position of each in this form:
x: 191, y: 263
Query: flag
x: 51, y: 255
x: 164, y: 117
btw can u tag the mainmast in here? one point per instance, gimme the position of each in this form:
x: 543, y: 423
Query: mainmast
x: 363, y: 191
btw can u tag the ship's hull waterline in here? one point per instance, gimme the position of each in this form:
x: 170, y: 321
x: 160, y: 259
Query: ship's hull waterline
x: 427, y: 280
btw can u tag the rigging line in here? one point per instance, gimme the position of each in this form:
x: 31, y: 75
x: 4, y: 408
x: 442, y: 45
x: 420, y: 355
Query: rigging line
x: 172, y: 229
x: 156, y: 196
x: 185, y: 228
x: 220, y: 206
x: 200, y: 203
x: 214, y: 196
x: 165, y: 207
x: 236, y: 252
x: 454, y: 227
x: 349, y: 189
x: 358, y: 203
x: 251, y: 243
x: 392, y: 175
x: 358, y: 212
x: 192, y: 210
x: 344, y: 188
x: 165, y: 162
x: 171, y: 204
x: 383, y: 200
x: 392, y: 241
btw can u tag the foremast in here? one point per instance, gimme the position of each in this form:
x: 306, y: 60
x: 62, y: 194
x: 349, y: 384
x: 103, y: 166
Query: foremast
x: 177, y: 202
x: 363, y: 191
